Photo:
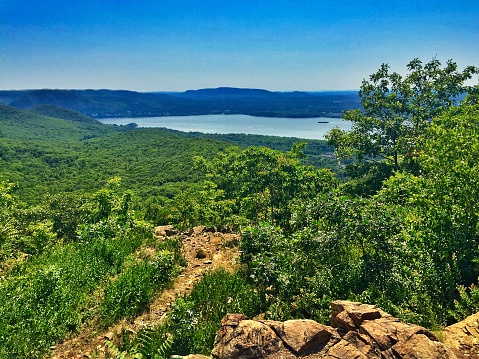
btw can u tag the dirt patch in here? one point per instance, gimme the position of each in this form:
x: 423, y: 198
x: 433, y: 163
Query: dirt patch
x: 203, y: 248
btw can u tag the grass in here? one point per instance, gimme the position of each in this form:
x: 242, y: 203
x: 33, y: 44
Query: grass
x: 50, y: 296
x: 196, y: 318
x: 134, y: 289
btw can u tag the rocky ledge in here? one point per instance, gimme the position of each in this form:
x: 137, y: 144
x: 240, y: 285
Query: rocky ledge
x: 357, y: 331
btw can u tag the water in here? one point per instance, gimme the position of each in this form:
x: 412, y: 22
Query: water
x: 307, y: 128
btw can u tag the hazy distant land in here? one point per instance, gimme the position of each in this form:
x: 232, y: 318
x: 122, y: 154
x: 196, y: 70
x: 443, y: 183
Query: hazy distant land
x: 223, y: 100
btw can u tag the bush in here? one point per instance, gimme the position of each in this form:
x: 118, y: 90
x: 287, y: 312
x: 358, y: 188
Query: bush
x: 133, y: 290
x: 195, y: 319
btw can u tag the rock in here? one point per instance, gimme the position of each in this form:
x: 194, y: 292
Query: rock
x: 233, y: 319
x: 357, y: 313
x: 343, y: 349
x: 216, y: 241
x: 198, y: 229
x: 189, y: 232
x: 302, y: 336
x: 463, y: 337
x: 379, y: 334
x: 344, y: 321
x: 361, y: 331
x: 171, y: 232
x: 250, y: 339
x: 165, y: 231
x: 420, y: 347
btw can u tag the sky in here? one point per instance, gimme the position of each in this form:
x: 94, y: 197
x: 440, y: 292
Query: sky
x: 163, y: 45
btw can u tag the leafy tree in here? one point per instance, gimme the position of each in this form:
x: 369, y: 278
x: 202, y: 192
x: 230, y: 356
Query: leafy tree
x: 442, y: 208
x: 396, y: 111
x: 263, y: 182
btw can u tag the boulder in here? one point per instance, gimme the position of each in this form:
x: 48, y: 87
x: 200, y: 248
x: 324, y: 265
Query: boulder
x: 463, y: 337
x: 198, y: 230
x: 348, y: 313
x: 165, y: 231
x: 302, y: 336
x: 250, y: 339
x: 358, y: 331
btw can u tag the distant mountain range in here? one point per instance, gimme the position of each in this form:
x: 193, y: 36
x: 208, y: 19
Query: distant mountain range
x: 228, y: 100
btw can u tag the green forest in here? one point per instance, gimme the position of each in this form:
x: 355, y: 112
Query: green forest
x: 391, y: 219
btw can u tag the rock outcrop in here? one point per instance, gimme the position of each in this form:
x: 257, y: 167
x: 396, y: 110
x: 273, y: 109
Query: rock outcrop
x: 463, y: 337
x: 358, y: 331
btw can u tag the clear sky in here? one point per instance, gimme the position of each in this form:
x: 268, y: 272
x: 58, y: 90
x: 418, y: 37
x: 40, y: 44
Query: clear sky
x: 163, y: 45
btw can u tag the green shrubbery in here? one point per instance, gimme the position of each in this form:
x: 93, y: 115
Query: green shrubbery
x: 55, y: 291
x: 133, y: 290
x: 192, y: 325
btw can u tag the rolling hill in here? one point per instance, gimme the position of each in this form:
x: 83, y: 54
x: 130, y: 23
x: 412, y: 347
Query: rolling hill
x: 122, y: 103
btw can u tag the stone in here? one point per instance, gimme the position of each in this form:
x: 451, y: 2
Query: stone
x: 189, y: 232
x: 356, y: 311
x: 249, y: 340
x: 344, y: 321
x: 233, y: 319
x: 363, y: 331
x: 198, y: 229
x: 343, y: 349
x: 302, y: 336
x: 363, y: 344
x: 171, y: 231
x: 421, y: 347
x: 200, y: 253
x: 164, y: 231
x: 463, y: 337
x: 380, y: 334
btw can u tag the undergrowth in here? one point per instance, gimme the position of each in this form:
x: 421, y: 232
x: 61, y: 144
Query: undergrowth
x: 49, y: 297
x: 192, y: 325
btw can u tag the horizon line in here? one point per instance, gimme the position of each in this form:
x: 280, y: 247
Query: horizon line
x: 176, y: 91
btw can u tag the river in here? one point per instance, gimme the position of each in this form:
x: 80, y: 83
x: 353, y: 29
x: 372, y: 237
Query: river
x: 308, y: 128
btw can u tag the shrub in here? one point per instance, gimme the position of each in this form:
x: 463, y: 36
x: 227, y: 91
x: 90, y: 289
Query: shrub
x: 196, y: 318
x: 131, y: 293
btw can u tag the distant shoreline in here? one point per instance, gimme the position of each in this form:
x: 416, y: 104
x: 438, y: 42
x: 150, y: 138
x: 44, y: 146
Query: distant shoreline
x: 223, y: 100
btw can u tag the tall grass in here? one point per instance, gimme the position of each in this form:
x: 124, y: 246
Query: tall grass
x: 196, y: 318
x: 50, y: 296
x: 134, y: 289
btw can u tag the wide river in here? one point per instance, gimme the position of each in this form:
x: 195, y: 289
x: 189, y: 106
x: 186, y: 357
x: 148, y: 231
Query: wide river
x: 309, y: 128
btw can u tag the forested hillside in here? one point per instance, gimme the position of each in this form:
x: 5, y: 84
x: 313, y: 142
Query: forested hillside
x: 121, y: 103
x: 78, y: 201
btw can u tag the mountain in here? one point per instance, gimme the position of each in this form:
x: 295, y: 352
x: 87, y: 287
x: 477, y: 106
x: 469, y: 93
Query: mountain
x: 62, y: 113
x: 222, y: 100
x: 229, y: 93
x: 102, y: 103
x: 27, y: 125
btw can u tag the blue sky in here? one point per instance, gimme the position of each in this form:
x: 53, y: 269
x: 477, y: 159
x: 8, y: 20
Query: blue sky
x: 177, y: 45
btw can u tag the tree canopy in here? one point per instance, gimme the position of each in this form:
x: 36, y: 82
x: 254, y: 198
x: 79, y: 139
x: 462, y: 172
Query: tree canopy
x: 396, y: 111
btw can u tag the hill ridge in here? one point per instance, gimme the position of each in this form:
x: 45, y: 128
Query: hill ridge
x: 125, y: 103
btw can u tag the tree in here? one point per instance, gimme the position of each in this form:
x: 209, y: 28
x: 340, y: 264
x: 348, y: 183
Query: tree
x: 396, y: 111
x: 263, y: 183
x: 442, y: 206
